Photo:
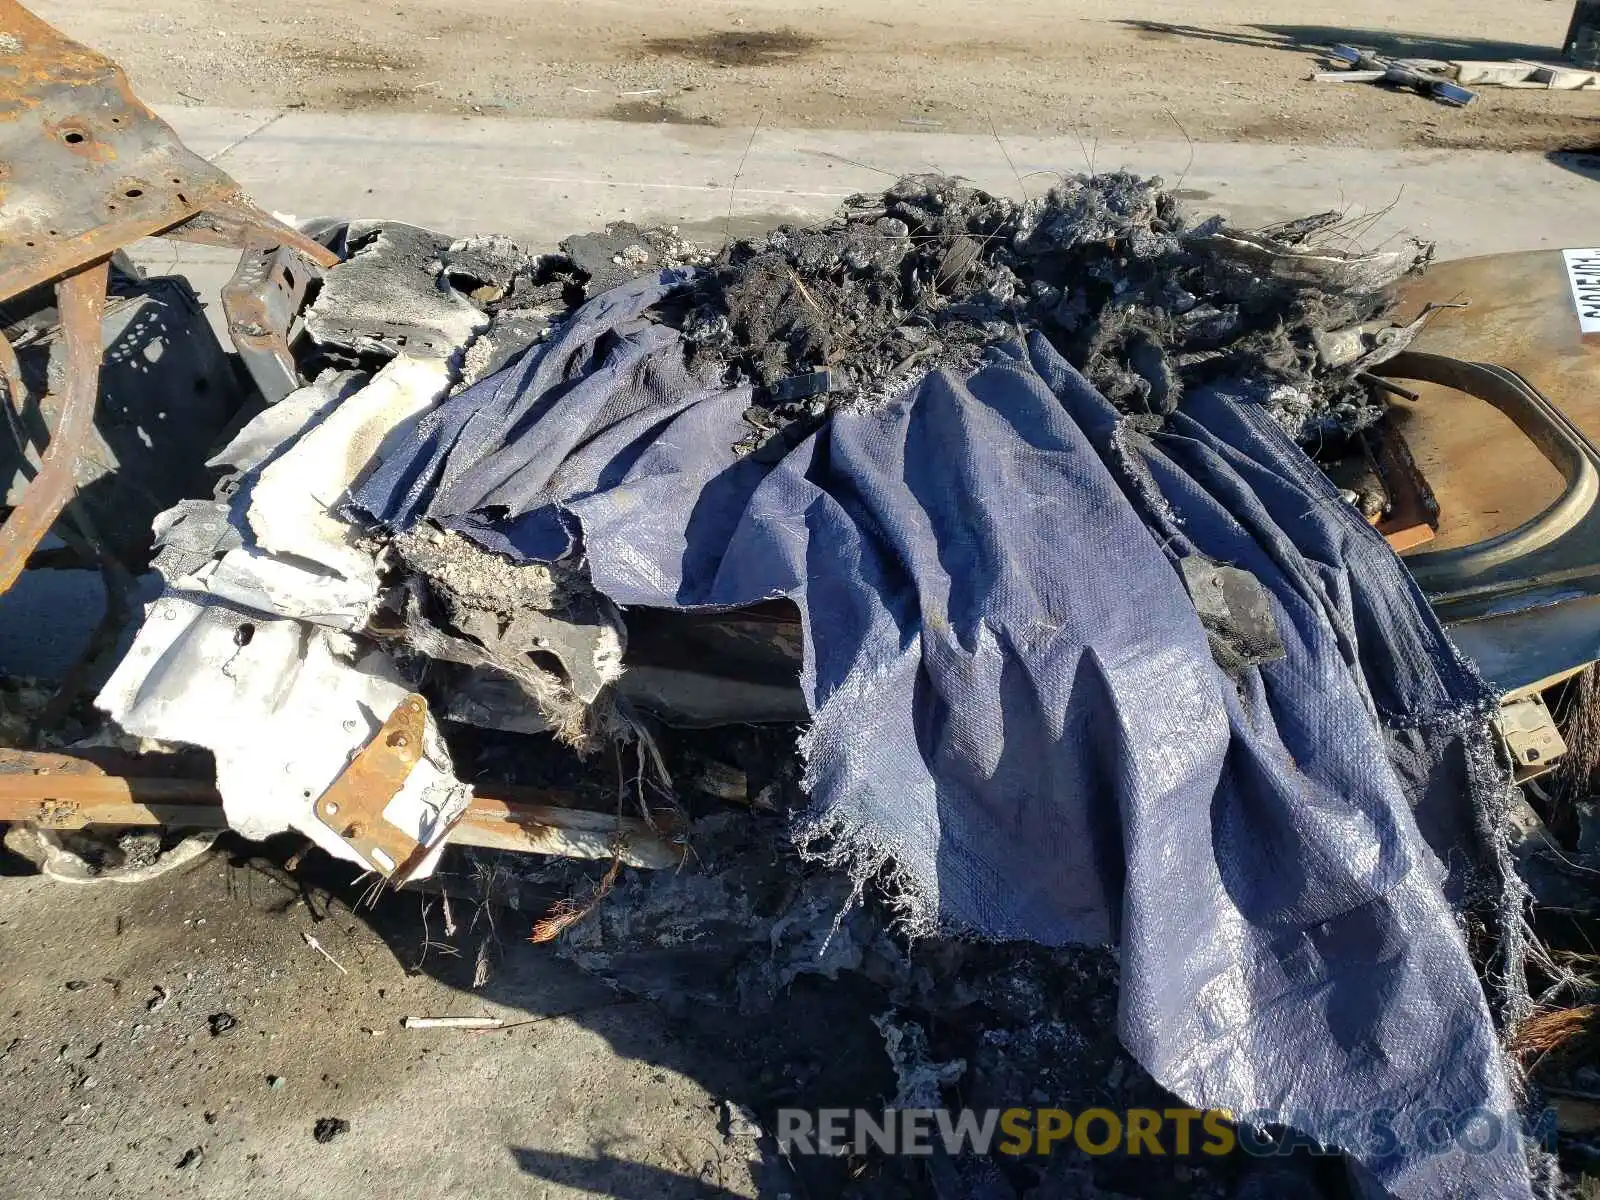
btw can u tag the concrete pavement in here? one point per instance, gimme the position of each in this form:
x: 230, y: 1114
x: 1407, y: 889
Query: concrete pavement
x: 539, y: 180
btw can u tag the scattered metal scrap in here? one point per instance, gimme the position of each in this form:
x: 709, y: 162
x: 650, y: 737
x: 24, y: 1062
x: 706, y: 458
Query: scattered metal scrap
x: 1447, y: 81
x: 89, y: 169
x: 1428, y: 76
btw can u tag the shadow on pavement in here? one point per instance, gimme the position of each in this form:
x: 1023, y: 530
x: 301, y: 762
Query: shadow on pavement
x: 628, y: 1181
x: 813, y: 1047
x: 1315, y: 39
x: 1579, y: 162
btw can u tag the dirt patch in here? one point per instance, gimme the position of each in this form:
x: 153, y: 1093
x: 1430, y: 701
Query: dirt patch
x: 643, y: 112
x: 1511, y: 129
x: 347, y: 57
x: 1029, y: 67
x: 736, y: 49
x: 376, y: 97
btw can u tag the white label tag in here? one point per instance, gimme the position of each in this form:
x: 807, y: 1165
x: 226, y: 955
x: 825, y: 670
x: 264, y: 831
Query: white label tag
x: 1583, y: 272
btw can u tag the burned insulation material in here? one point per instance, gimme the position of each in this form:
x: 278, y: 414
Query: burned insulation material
x: 483, y: 267
x: 1137, y: 295
x: 388, y: 297
x: 525, y: 295
x: 624, y: 251
x: 542, y: 632
x: 919, y: 1080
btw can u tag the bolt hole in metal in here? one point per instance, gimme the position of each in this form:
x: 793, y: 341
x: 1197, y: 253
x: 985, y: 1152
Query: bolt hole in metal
x: 72, y: 137
x: 133, y: 193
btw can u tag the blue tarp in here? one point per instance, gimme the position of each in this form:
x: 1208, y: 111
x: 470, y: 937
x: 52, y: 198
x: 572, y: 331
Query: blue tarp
x: 1017, y: 709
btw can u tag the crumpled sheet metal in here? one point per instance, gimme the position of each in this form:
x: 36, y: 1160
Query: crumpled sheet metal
x: 246, y: 652
x: 293, y: 498
x: 283, y: 706
x: 1015, y: 704
x: 275, y: 546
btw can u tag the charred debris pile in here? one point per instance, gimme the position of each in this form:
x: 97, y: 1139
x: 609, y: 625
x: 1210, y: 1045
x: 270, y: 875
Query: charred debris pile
x: 1134, y: 292
x: 295, y: 615
x: 1141, y: 296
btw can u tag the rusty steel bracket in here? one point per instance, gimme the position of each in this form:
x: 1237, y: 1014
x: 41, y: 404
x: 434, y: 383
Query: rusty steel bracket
x: 354, y: 803
x: 261, y: 301
x: 86, y: 169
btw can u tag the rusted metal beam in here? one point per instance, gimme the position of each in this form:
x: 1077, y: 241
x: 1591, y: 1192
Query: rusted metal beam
x: 81, y: 300
x: 97, y: 787
x: 86, y: 169
x: 517, y: 821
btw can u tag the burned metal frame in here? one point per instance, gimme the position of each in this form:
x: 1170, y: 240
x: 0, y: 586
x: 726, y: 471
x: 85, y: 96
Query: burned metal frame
x: 1547, y: 558
x: 268, y: 290
x: 69, y: 411
x: 85, y: 170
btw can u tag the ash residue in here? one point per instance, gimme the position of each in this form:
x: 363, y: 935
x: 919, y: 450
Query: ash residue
x: 476, y: 578
x: 624, y: 251
x: 1137, y: 295
x: 831, y: 1007
x: 483, y: 267
x: 918, y: 1079
x: 548, y: 643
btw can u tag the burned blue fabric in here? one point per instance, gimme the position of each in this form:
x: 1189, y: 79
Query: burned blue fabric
x: 1016, y: 707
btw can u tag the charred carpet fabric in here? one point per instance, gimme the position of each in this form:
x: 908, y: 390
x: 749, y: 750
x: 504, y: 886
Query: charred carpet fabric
x: 1018, y: 709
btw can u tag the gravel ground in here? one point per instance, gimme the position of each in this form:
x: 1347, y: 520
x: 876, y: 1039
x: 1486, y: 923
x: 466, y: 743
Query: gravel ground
x: 1230, y: 71
x: 113, y: 1083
